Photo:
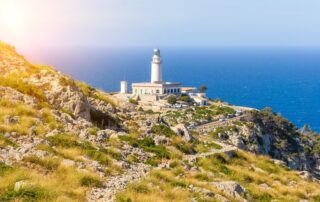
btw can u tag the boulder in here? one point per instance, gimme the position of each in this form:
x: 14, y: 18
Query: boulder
x: 305, y: 175
x: 182, y: 131
x: 231, y: 188
x: 161, y: 140
x: 20, y: 184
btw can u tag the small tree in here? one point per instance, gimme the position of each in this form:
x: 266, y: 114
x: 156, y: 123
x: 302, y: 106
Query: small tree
x: 203, y: 89
x: 172, y: 99
x: 185, y: 98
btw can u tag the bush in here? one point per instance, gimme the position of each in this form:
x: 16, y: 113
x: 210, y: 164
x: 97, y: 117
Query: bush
x: 48, y: 163
x: 90, y: 181
x: 4, y: 169
x: 93, y: 131
x: 32, y: 193
x: 98, y: 156
x: 133, y: 101
x: 63, y: 140
x: 161, y: 129
x: 148, y: 145
x: 172, y: 100
x: 185, y: 98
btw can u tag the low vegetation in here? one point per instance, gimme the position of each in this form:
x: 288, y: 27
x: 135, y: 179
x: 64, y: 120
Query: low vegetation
x: 25, y: 119
x: 250, y: 171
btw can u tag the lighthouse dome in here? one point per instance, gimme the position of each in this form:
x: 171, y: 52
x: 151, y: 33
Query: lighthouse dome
x: 156, y: 52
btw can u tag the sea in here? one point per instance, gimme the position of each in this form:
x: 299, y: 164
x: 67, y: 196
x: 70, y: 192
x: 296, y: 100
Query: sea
x: 285, y: 79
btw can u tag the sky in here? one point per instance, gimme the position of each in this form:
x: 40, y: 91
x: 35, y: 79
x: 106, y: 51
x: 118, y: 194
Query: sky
x: 221, y: 23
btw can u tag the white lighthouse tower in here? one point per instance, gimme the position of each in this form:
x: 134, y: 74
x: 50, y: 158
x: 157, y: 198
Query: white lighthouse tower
x: 123, y: 87
x: 156, y: 67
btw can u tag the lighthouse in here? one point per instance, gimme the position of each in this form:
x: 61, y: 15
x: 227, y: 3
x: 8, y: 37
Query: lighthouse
x: 156, y: 67
x: 156, y: 87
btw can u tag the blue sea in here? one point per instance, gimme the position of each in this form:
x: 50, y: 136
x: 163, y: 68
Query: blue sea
x: 286, y: 79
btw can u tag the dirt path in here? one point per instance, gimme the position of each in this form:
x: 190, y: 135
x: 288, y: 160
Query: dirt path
x: 225, y: 149
x: 138, y: 171
x: 218, y: 123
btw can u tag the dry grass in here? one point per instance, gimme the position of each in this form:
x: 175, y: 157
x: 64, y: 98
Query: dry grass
x: 63, y: 184
x: 249, y: 170
x: 29, y: 117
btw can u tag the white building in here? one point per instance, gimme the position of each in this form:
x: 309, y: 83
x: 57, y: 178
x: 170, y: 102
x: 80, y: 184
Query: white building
x: 156, y: 86
x: 124, y: 87
x: 158, y: 89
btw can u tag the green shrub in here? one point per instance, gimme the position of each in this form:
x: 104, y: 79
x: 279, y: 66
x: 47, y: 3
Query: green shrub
x: 98, y: 156
x: 162, y: 129
x: 140, y: 188
x: 48, y: 163
x: 202, y: 177
x: 90, y: 181
x: 93, y: 131
x: 63, y: 140
x: 178, y: 184
x: 152, y: 161
x: 4, y: 169
x: 32, y: 193
x: 133, y: 101
x: 172, y: 99
x: 185, y: 98
x: 148, y: 145
x: 186, y: 148
x: 114, y: 154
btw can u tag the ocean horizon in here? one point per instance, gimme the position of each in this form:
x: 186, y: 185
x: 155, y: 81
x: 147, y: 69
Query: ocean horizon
x: 285, y: 79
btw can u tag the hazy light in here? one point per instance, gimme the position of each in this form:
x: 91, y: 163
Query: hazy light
x: 11, y: 18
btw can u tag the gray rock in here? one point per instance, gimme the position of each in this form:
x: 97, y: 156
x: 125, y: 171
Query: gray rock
x: 231, y: 188
x: 68, y: 162
x: 305, y: 175
x: 20, y: 184
x: 161, y: 140
x: 182, y: 131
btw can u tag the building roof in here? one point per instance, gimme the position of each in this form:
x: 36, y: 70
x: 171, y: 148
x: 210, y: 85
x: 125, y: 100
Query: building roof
x: 188, y: 88
x: 163, y: 84
x: 199, y: 98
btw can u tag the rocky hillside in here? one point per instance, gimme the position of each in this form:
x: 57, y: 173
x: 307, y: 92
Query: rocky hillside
x: 63, y: 140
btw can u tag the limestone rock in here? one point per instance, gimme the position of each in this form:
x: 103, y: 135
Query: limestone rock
x: 20, y: 184
x: 161, y: 140
x: 231, y: 188
x: 305, y: 175
x: 182, y: 131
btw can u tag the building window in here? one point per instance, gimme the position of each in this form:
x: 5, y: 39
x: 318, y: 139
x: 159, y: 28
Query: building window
x: 178, y: 90
x: 157, y: 91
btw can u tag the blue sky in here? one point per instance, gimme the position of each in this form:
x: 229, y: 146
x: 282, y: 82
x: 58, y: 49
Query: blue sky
x: 160, y: 23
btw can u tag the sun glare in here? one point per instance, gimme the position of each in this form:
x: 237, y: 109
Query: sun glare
x: 10, y: 18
